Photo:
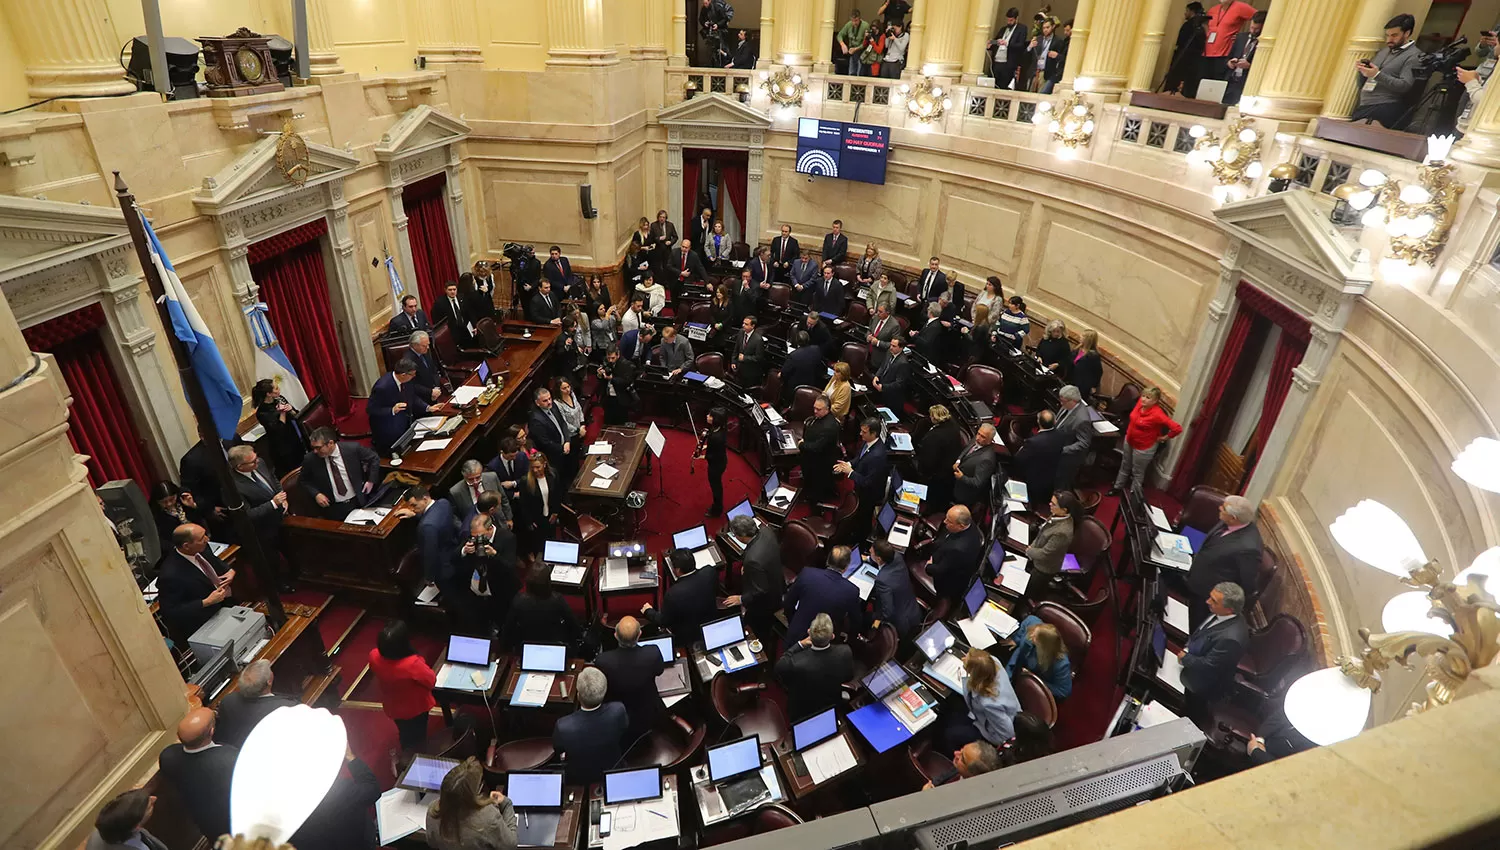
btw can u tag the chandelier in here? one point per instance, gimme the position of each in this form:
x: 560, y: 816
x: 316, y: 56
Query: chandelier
x: 925, y: 101
x: 1234, y: 158
x: 1416, y: 216
x: 785, y: 88
x: 1071, y: 121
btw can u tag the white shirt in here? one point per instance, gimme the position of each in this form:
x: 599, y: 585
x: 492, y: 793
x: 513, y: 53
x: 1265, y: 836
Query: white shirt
x: 541, y: 486
x: 630, y: 321
x: 343, y: 488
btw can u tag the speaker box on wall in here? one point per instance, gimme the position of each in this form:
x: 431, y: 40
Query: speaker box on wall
x: 586, y: 201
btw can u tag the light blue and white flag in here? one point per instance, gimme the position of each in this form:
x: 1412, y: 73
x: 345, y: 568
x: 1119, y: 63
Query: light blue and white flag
x: 224, y: 399
x: 397, y: 289
x: 270, y: 360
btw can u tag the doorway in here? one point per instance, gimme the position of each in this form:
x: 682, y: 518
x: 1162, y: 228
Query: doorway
x: 717, y: 180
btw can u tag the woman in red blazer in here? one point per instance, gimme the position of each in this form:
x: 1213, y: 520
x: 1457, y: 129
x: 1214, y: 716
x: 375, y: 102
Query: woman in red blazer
x: 406, y: 683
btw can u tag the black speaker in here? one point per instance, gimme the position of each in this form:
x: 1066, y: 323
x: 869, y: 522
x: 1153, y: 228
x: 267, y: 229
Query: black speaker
x: 182, y: 66
x: 586, y: 201
x: 282, y: 57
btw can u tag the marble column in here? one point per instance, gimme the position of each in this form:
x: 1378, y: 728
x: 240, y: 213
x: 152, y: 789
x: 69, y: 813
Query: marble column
x: 654, y: 44
x: 576, y: 34
x: 69, y: 47
x: 322, y: 58
x: 1366, y: 36
x: 947, y: 21
x: 1150, y: 30
x: 1481, y: 145
x: 827, y: 25
x: 980, y: 29
x: 1078, y: 48
x: 918, y: 41
x: 794, y: 29
x: 1111, y: 35
x: 447, y: 33
x: 766, y: 54
x: 677, y: 28
x: 1293, y: 64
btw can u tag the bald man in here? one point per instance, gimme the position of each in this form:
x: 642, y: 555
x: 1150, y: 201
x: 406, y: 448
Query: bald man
x: 955, y: 558
x: 631, y: 670
x: 200, y: 771
x: 974, y: 469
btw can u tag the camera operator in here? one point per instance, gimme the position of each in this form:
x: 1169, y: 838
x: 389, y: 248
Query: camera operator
x: 872, y: 52
x: 489, y: 557
x: 525, y: 272
x: 896, y: 41
x: 1386, y: 79
x: 713, y: 24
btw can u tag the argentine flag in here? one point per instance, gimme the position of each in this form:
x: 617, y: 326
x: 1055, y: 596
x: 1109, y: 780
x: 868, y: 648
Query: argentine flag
x: 397, y: 290
x: 270, y: 361
x: 224, y: 399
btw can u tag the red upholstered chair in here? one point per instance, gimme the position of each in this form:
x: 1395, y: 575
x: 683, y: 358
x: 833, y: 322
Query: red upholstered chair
x: 701, y: 312
x: 1091, y: 542
x: 872, y: 652
x: 858, y: 313
x: 392, y: 352
x: 674, y: 740
x: 897, y: 278
x: 984, y: 383
x: 740, y: 251
x: 905, y: 324
x: 922, y: 583
x: 774, y: 817
x: 780, y: 295
x: 1017, y: 428
x: 1035, y: 696
x: 1089, y: 499
x: 857, y: 355
x: 1272, y: 651
x: 848, y: 505
x: 928, y: 764
x: 298, y: 502
x: 770, y: 389
x: 1201, y: 508
x: 711, y: 363
x: 743, y: 705
x: 1118, y: 406
x: 800, y: 548
x: 520, y: 754
x: 488, y: 334
x: 1075, y: 633
x: 1087, y: 608
x: 315, y: 415
x: 802, y: 403
x: 458, y: 363
x: 846, y: 272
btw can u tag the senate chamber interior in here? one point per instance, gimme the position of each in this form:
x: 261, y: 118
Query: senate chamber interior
x: 600, y: 424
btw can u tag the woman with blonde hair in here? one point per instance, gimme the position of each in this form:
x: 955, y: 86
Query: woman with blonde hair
x: 869, y: 267
x: 1053, y: 350
x: 466, y: 818
x: 1148, y: 429
x: 977, y: 338
x: 937, y: 451
x: 1087, y: 372
x: 1040, y: 649
x: 839, y: 391
x: 990, y: 701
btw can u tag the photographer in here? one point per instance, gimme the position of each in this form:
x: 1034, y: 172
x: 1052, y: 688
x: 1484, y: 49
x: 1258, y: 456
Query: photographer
x: 713, y: 24
x: 893, y: 12
x: 525, y: 272
x: 874, y: 51
x: 1387, y: 78
x: 489, y: 559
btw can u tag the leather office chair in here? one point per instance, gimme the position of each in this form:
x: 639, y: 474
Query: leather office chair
x: 488, y: 334
x: 844, y: 513
x: 520, y: 754
x: 780, y: 295
x: 742, y: 705
x: 846, y: 272
x: 458, y: 363
x: 672, y: 742
x: 774, y: 817
x: 1272, y: 650
x: 740, y: 251
x: 984, y: 383
x: 871, y: 652
x: 700, y: 312
x: 1087, y: 608
x: 1200, y: 509
x: 585, y: 530
x: 1035, y: 696
x: 1017, y: 428
x: 764, y: 819
x: 800, y: 548
x: 392, y: 353
x: 711, y: 363
x: 905, y: 324
x: 298, y: 501
x: 898, y: 279
x: 928, y: 764
x: 770, y: 389
x: 857, y: 355
x: 1089, y: 499
x: 1074, y: 632
x: 921, y: 582
x: 1118, y: 407
x: 858, y: 313
x: 802, y: 405
x: 1091, y: 543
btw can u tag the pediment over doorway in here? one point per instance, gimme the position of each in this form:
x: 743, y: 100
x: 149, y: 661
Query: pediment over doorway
x: 420, y: 129
x: 714, y: 110
x: 1292, y: 230
x: 255, y: 176
x: 37, y: 235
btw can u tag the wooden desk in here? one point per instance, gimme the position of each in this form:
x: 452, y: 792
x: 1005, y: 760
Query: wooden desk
x: 665, y: 805
x: 447, y: 696
x: 706, y: 796
x: 708, y: 672
x: 802, y: 787
x: 297, y: 656
x: 571, y: 817
x: 628, y: 447
x: 562, y: 683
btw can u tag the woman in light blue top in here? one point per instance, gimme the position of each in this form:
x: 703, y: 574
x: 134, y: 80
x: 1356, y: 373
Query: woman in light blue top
x: 1040, y: 649
x: 991, y: 702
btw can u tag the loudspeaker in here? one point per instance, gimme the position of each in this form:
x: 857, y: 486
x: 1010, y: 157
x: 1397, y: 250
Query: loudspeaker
x: 586, y: 201
x: 182, y: 66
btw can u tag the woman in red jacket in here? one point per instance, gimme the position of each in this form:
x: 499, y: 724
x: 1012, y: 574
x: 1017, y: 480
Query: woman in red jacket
x: 406, y: 684
x: 1149, y: 428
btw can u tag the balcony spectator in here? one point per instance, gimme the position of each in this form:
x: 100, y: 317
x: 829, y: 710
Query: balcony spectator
x: 1240, y: 57
x: 1185, y: 71
x: 1224, y: 22
x: 1386, y: 79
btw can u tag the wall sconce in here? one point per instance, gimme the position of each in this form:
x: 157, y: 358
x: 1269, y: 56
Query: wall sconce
x: 1416, y: 216
x: 690, y: 89
x: 785, y: 88
x: 1344, y: 215
x: 1282, y: 177
x: 925, y: 101
x: 1235, y: 158
x: 742, y: 89
x: 1071, y: 122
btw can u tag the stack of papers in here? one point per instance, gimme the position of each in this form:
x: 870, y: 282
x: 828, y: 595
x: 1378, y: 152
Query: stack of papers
x: 996, y: 620
x: 1170, y: 671
x: 1154, y: 713
x: 1159, y: 518
x: 568, y: 575
x: 1013, y: 575
x: 366, y: 516
x: 616, y: 574
x: 427, y: 595
x: 775, y: 417
x: 428, y: 424
x: 464, y: 395
x: 433, y: 445
x: 947, y: 669
x: 532, y: 689
x: 1019, y: 531
x: 601, y: 448
x: 460, y: 677
x: 976, y: 634
x: 1017, y: 490
x: 1173, y: 550
x: 901, y: 441
x: 398, y: 813
x: 1104, y: 426
x: 604, y: 470
x: 828, y: 759
x: 218, y: 548
x: 704, y: 558
x: 713, y: 383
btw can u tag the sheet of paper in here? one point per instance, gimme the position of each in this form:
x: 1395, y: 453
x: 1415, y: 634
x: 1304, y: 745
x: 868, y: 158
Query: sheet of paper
x: 1154, y: 713
x: 218, y: 548
x: 601, y: 448
x: 398, y: 813
x: 859, y: 388
x: 1104, y: 426
x: 996, y: 620
x: 1170, y: 671
x: 1014, y: 507
x: 656, y: 441
x: 948, y: 670
x: 600, y: 484
x: 1017, y: 490
x: 604, y: 470
x: 533, y: 689
x: 616, y: 574
x: 976, y: 634
x: 901, y: 441
x: 1013, y: 575
x: 430, y: 423
x: 466, y: 394
x: 1177, y: 614
x: 713, y: 383
x: 775, y: 417
x: 828, y: 759
x: 366, y: 516
x: 568, y: 575
x: 434, y: 445
x: 460, y: 677
x: 427, y: 594
x: 704, y: 558
x: 1159, y: 518
x: 1019, y: 531
x: 931, y: 368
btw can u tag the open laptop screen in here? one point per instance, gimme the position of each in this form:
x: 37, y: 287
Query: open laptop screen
x: 663, y: 645
x: 544, y: 657
x: 727, y: 761
x: 814, y: 730
x: 560, y: 552
x: 721, y: 633
x: 468, y: 650
x: 540, y: 789
x: 691, y: 539
x: 627, y: 786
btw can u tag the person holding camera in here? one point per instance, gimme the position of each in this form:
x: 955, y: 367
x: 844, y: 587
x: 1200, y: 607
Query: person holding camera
x: 1386, y: 79
x: 896, y: 41
x: 489, y: 559
x: 893, y: 12
x: 713, y: 23
x: 872, y: 53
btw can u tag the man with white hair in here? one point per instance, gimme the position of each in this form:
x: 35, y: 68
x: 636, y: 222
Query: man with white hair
x: 1075, y: 419
x: 476, y: 481
x: 242, y: 710
x: 1231, y: 552
x: 429, y: 380
x: 813, y: 670
x: 1213, y: 652
x: 592, y: 738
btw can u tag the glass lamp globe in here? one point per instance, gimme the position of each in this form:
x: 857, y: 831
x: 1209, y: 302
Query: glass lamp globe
x: 1254, y: 170
x: 1486, y: 568
x: 1375, y: 534
x: 1373, y: 217
x: 1044, y: 106
x: 1053, y: 127
x: 266, y: 800
x: 1197, y: 131
x: 1326, y: 706
x: 1088, y: 127
x: 1421, y: 226
x: 1247, y: 135
x: 1080, y: 110
x: 1412, y: 193
x: 1408, y: 612
x: 1371, y: 177
x: 1479, y: 464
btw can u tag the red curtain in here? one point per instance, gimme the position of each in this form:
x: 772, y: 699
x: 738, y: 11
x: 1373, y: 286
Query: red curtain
x: 294, y: 284
x: 736, y: 179
x: 99, y: 425
x: 431, y: 241
x: 691, y: 167
x: 1289, y: 353
x: 1193, y: 455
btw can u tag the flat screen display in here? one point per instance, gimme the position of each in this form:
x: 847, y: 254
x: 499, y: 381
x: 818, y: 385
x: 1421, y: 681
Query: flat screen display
x: 467, y: 650
x: 974, y: 598
x: 544, y: 657
x: 772, y: 484
x: 887, y: 518
x: 691, y: 539
x: 885, y: 678
x: 721, y: 633
x: 816, y: 729
x: 560, y: 552
x: 935, y: 640
x: 742, y: 509
x: 842, y: 150
x: 663, y: 645
x: 727, y: 761
x: 541, y: 789
x: 627, y: 786
x: 427, y: 773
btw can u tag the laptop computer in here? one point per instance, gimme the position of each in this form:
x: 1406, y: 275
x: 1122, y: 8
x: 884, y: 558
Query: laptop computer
x: 483, y: 372
x: 540, y: 664
x: 537, y: 797
x: 808, y: 733
x: 560, y: 552
x: 631, y: 786
x: 474, y: 652
x: 884, y: 679
x: 727, y: 634
x: 974, y: 598
x: 935, y: 640
x: 695, y: 540
x: 425, y: 775
x: 898, y: 529
x: 777, y: 496
x: 663, y: 645
x: 744, y: 508
x: 734, y: 769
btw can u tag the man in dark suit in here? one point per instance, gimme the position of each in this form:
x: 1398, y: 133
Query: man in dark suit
x: 882, y: 330
x: 784, y: 252
x: 342, y: 819
x: 663, y: 234
x: 438, y: 543
x: 1213, y: 652
x: 761, y: 270
x: 675, y: 352
x: 1039, y: 457
x: 510, y: 466
x: 955, y: 558
x: 410, y: 319
x: 192, y: 584
x: 249, y: 704
x: 684, y: 266
x: 340, y: 476
x: 544, y: 308
x: 430, y: 378
x: 826, y: 295
x: 893, y: 599
x: 121, y: 824
x: 635, y: 345
x: 690, y: 602
x: 557, y: 270
x: 801, y: 275
x: 974, y: 469
x: 476, y: 482
x: 820, y: 335
x: 1231, y: 552
x: 893, y: 376
x: 1008, y: 51
x: 746, y: 297
x: 1241, y: 54
x: 699, y: 230
x: 552, y: 435
x: 803, y: 367
x: 393, y: 406
x: 823, y: 591
x: 748, y: 357
x: 870, y: 469
x: 451, y: 310
x: 631, y: 670
x: 835, y: 245
x: 820, y: 450
x: 1076, y: 419
x: 593, y: 738
x: 762, y: 581
x: 265, y: 501
x: 813, y: 670
x: 490, y: 554
x: 201, y: 772
x: 933, y: 283
x: 929, y: 340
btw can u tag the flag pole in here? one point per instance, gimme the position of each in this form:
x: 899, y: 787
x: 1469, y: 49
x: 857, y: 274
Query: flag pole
x: 239, y: 517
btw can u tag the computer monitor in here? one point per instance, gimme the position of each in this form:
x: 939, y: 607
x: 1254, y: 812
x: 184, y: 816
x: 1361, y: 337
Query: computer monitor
x: 735, y: 758
x: 560, y: 552
x: 974, y: 598
x: 544, y: 657
x: 426, y: 773
x: 722, y: 633
x: 742, y: 509
x: 534, y: 789
x: 628, y: 786
x: 663, y: 645
x: 468, y: 650
x: 935, y: 640
x: 483, y: 372
x: 773, y: 483
x: 856, y: 560
x: 997, y: 556
x: 884, y: 679
x: 887, y: 518
x: 815, y: 730
x: 692, y: 539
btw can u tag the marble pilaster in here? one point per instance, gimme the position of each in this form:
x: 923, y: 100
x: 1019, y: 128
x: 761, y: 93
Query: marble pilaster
x: 946, y: 21
x: 1078, y: 48
x: 69, y: 47
x: 1111, y: 35
x: 1293, y: 64
x: 575, y: 29
x: 322, y: 58
x: 1150, y: 30
x: 827, y: 25
x: 980, y: 25
x: 794, y: 28
x: 767, y: 48
x: 1366, y: 36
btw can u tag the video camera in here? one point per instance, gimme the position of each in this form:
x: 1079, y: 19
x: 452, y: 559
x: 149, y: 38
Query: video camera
x: 1445, y: 59
x: 514, y: 251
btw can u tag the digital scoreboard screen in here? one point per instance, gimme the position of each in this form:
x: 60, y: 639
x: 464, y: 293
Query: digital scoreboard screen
x: 846, y: 151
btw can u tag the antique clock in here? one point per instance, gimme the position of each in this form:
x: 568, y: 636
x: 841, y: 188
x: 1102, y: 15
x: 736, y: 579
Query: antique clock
x: 239, y: 64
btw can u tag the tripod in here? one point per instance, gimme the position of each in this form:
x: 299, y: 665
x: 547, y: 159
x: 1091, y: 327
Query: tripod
x: 1436, y: 113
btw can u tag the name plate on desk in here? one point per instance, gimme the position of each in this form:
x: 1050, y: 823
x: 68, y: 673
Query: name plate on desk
x: 697, y: 332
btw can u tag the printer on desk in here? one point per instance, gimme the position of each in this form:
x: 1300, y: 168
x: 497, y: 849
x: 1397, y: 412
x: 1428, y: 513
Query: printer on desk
x: 245, y: 626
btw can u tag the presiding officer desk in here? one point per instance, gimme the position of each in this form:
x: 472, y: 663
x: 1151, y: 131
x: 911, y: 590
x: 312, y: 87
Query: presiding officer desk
x: 365, y: 560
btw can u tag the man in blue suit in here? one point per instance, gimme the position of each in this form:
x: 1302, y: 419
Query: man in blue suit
x: 827, y: 294
x: 410, y: 320
x: 439, y: 541
x: 893, y: 598
x: 393, y: 405
x: 823, y: 591
x: 870, y: 469
x: 429, y: 382
x: 635, y: 345
x: 340, y: 476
